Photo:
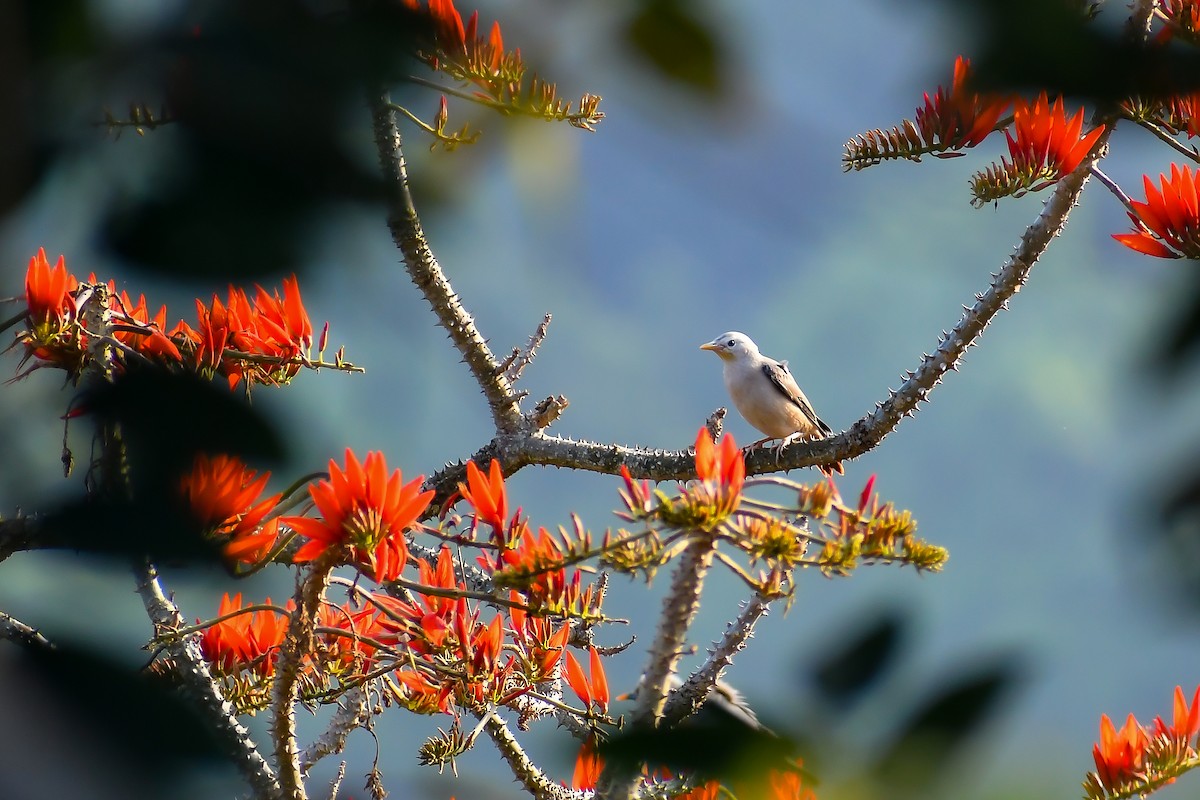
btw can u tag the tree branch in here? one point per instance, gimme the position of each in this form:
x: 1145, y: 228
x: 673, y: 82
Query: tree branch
x: 14, y: 630
x: 351, y: 713
x: 524, y: 448
x: 426, y: 273
x: 687, y: 699
x: 523, y: 768
x: 198, y: 685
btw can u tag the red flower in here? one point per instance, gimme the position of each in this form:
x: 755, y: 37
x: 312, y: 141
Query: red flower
x: 47, y: 290
x: 343, y: 649
x: 1119, y: 755
x: 420, y: 695
x: 1186, y: 721
x: 486, y: 495
x: 724, y: 465
x: 788, y: 784
x: 272, y: 326
x: 588, y: 766
x: 222, y: 494
x: 1046, y: 141
x: 959, y: 118
x: 1167, y: 225
x: 148, y: 339
x: 722, y: 471
x: 540, y: 646
x: 244, y: 641
x: 591, y: 690
x: 364, y: 514
x: 52, y: 336
x: 535, y: 565
x: 1045, y: 147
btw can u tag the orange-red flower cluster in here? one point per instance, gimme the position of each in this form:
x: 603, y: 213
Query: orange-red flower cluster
x: 1184, y: 16
x: 785, y: 783
x: 592, y: 688
x: 243, y: 649
x: 1134, y: 759
x: 949, y: 121
x: 1167, y: 224
x: 721, y: 470
x: 347, y: 637
x: 960, y: 117
x: 223, y: 495
x: 265, y: 340
x: 538, y: 643
x: 1045, y: 146
x: 364, y: 516
x: 247, y: 642
x: 487, y: 496
x: 444, y: 629
x: 464, y: 54
x: 463, y: 51
x: 48, y: 290
x: 231, y: 337
x: 60, y: 309
x: 534, y: 564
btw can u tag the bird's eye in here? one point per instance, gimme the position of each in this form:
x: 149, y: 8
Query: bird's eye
x: 730, y: 343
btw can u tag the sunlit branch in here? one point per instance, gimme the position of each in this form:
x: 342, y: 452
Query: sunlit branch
x: 426, y: 273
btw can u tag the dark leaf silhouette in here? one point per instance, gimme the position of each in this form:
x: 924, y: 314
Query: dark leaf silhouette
x: 938, y: 730
x: 851, y: 667
x: 671, y: 37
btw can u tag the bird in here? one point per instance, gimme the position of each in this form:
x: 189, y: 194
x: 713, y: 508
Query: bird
x: 766, y: 395
x: 723, y: 702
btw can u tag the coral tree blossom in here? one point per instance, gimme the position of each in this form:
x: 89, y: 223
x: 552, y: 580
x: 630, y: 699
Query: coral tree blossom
x: 364, y: 514
x: 223, y: 494
x: 1167, y: 225
x: 721, y: 470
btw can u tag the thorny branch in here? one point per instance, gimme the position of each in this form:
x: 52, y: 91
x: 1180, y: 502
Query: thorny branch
x: 199, y: 685
x: 522, y: 447
x: 427, y: 274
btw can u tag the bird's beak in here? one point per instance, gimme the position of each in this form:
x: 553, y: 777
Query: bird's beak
x: 713, y: 346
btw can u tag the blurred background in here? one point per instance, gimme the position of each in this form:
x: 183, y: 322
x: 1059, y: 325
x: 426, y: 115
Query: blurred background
x: 1054, y: 465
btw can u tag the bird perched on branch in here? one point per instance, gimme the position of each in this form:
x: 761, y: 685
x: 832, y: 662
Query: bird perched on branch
x: 766, y: 395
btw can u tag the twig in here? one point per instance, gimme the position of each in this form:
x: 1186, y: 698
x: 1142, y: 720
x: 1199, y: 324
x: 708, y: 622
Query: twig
x: 525, y: 357
x: 687, y: 699
x: 352, y: 710
x: 336, y: 783
x: 1171, y: 141
x: 523, y: 768
x: 14, y: 630
x: 296, y: 643
x: 1112, y: 186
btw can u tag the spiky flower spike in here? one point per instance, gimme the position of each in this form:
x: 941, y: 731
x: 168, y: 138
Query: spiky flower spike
x: 496, y: 76
x: 1135, y: 760
x: 1044, y: 146
x: 949, y: 121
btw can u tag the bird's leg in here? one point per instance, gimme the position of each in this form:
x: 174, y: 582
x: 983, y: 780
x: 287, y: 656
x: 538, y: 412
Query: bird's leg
x: 784, y: 442
x: 760, y: 442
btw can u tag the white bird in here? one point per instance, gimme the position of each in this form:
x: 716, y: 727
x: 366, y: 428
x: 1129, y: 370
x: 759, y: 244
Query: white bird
x: 766, y: 395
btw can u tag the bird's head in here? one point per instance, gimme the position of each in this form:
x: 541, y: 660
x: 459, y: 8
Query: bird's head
x: 732, y: 346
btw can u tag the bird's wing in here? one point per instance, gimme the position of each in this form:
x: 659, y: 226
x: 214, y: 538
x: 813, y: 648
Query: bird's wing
x: 780, y: 376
